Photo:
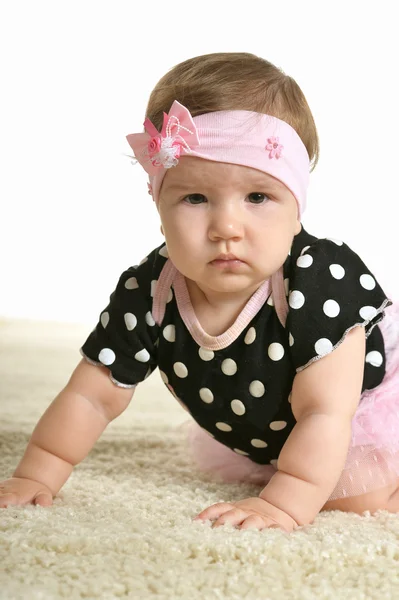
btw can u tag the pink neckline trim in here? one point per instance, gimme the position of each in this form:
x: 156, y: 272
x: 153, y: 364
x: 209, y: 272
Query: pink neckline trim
x: 223, y: 340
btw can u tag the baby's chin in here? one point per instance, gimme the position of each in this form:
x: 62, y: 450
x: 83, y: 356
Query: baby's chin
x: 231, y: 284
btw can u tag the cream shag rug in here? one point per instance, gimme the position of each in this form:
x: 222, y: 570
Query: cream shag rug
x: 121, y: 526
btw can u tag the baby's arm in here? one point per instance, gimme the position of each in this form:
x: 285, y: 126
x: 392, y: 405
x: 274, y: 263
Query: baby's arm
x: 325, y: 396
x: 65, y: 434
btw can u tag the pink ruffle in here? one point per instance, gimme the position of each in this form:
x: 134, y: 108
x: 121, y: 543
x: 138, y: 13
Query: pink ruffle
x: 376, y: 420
x: 224, y: 464
x: 373, y: 457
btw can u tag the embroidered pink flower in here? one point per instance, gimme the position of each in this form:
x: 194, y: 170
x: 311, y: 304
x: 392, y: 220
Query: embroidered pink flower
x: 154, y: 146
x: 274, y: 146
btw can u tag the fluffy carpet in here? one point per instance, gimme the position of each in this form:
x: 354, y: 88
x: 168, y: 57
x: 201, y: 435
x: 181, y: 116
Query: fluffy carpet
x: 121, y: 526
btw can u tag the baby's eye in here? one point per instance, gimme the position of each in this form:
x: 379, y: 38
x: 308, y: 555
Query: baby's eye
x: 194, y: 198
x: 257, y: 197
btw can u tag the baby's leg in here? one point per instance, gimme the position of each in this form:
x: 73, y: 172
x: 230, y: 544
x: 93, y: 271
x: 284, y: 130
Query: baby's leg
x: 386, y: 498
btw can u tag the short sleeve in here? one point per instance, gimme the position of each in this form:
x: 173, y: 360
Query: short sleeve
x: 125, y: 338
x: 330, y: 292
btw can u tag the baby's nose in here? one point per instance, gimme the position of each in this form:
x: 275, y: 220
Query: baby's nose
x: 226, y: 222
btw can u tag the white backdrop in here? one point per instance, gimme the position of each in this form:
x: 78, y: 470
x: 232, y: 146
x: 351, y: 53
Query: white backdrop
x: 75, y: 79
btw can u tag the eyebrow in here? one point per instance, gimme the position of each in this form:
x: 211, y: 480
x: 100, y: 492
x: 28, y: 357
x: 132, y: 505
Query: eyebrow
x: 179, y: 186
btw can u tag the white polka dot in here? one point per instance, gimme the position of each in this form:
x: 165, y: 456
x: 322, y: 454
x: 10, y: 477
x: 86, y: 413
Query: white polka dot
x: 278, y: 425
x: 275, y: 351
x: 337, y: 271
x: 273, y: 462
x: 223, y: 426
x: 164, y: 377
x: 289, y: 398
x: 250, y: 335
x: 368, y: 312
x: 323, y: 346
x: 206, y: 395
x: 270, y: 300
x: 238, y: 407
x: 170, y: 296
x: 374, y: 358
x: 106, y: 356
x: 131, y: 283
x: 258, y: 443
x: 142, y: 356
x: 338, y: 242
x: 130, y: 321
x: 169, y: 333
x: 206, y: 354
x: 241, y: 452
x: 104, y: 319
x: 256, y: 388
x: 229, y: 366
x: 180, y: 369
x: 305, y: 261
x: 296, y: 299
x: 164, y: 252
x: 149, y: 319
x: 153, y: 287
x: 291, y: 339
x: 144, y: 260
x: 304, y: 250
x: 367, y: 281
x: 331, y: 308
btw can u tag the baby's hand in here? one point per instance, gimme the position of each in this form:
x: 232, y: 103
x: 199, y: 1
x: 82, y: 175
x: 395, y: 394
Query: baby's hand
x: 17, y: 491
x: 249, y: 513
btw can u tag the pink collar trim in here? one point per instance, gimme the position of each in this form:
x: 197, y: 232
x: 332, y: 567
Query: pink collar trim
x: 223, y: 340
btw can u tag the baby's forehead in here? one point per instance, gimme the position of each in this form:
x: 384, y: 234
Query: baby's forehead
x: 198, y: 171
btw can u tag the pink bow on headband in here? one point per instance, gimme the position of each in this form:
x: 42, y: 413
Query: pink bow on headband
x: 154, y: 149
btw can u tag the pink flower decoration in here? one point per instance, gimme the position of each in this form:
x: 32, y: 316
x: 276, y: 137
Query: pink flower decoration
x: 154, y: 146
x: 274, y: 146
x: 178, y: 147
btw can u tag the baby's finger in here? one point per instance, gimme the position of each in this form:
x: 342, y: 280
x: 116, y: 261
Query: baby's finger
x: 43, y: 499
x: 254, y: 522
x: 214, y: 511
x: 8, y: 499
x: 235, y: 517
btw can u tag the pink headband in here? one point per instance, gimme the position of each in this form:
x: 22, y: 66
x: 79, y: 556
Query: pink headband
x: 239, y: 137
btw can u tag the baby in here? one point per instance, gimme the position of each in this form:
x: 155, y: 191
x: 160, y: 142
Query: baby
x: 276, y: 342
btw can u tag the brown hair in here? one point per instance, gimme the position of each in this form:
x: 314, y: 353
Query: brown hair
x: 235, y: 81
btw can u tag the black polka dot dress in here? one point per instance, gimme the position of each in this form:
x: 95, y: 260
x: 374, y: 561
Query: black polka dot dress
x: 239, y: 389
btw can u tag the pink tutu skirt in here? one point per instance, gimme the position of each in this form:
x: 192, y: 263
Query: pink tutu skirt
x: 373, y: 457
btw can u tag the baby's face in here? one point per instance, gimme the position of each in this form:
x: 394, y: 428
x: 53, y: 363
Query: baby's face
x: 209, y: 208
